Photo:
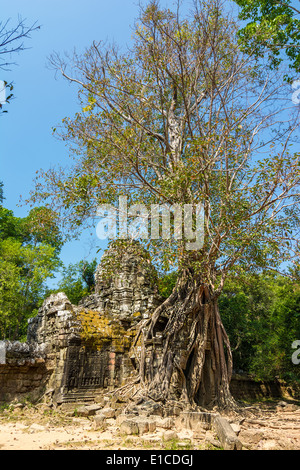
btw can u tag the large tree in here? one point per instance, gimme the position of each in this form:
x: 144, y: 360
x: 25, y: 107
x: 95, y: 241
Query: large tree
x: 183, y: 117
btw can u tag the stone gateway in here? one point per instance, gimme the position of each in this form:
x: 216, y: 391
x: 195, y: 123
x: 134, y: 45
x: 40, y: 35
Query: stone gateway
x: 79, y: 352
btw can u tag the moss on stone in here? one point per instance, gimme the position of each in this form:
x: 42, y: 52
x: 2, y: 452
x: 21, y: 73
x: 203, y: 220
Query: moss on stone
x: 101, y: 329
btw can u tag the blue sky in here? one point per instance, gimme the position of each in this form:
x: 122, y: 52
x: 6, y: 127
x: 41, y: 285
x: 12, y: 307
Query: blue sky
x: 42, y: 101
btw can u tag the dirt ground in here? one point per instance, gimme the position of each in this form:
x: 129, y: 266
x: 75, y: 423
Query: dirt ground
x: 264, y: 426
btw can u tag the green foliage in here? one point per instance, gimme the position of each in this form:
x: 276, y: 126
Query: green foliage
x: 274, y: 28
x: 23, y: 272
x: 261, y: 314
x: 42, y: 226
x: 77, y: 280
x: 28, y: 257
x: 10, y: 226
x: 167, y: 283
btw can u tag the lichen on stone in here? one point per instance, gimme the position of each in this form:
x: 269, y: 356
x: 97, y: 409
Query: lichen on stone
x: 99, y: 330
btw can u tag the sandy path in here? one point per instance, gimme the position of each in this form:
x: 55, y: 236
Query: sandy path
x: 19, y: 437
x: 40, y: 429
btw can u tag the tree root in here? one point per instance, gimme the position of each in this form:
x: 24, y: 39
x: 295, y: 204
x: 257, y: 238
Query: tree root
x: 183, y: 352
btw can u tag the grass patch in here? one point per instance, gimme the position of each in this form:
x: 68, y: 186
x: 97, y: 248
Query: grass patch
x: 178, y: 444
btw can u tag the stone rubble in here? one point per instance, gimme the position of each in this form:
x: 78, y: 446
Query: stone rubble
x: 42, y: 427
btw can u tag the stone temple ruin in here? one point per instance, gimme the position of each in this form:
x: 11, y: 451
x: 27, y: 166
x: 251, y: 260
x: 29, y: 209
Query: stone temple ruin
x: 74, y: 353
x: 78, y: 353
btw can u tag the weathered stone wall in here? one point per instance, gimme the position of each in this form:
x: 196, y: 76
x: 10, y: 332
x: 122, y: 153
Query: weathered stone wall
x: 23, y: 382
x: 88, y: 350
x: 87, y: 347
x: 24, y: 371
x: 245, y: 388
x: 54, y: 328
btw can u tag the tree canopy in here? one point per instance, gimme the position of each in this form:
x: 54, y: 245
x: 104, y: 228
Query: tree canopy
x: 29, y: 249
x: 261, y: 315
x: 184, y: 117
x: 273, y: 27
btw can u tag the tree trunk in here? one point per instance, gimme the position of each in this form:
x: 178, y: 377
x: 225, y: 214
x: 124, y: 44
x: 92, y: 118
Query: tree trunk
x: 183, y: 351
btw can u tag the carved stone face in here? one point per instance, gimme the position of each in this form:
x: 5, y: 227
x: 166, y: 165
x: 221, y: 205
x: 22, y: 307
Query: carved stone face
x: 125, y: 282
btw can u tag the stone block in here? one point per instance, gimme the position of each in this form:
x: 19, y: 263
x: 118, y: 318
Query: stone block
x: 165, y: 423
x: 197, y: 421
x: 129, y: 427
x: 88, y: 410
x: 99, y: 422
x: 123, y: 417
x: 290, y: 408
x: 108, y: 412
x: 170, y: 435
x: 152, y: 425
x: 225, y: 433
x: 143, y: 425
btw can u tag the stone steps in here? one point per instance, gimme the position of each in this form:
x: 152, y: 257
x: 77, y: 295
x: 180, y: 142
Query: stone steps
x: 76, y: 397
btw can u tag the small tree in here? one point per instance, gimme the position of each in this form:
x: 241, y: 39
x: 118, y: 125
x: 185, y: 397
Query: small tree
x: 12, y: 42
x: 184, y: 117
x: 29, y: 249
x: 1, y: 193
x: 77, y: 280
